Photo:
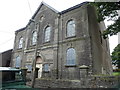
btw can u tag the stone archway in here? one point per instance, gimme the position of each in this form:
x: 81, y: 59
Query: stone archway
x: 39, y: 65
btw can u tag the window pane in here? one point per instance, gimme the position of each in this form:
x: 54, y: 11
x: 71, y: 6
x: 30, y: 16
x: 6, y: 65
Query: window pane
x: 46, y: 67
x: 29, y: 67
x: 34, y: 38
x: 47, y: 34
x: 20, y: 42
x: 18, y: 62
x: 71, y: 28
x: 71, y: 56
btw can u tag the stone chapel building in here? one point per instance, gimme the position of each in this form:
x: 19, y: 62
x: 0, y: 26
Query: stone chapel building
x: 65, y: 40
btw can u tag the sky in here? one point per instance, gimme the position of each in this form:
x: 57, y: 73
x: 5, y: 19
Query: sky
x: 15, y: 14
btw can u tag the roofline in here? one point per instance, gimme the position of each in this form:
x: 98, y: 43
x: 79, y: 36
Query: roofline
x: 74, y: 7
x: 62, y: 12
x: 43, y: 3
x: 21, y: 29
x: 57, y: 12
x: 6, y: 51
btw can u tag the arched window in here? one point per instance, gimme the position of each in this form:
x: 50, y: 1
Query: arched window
x: 71, y: 28
x: 71, y: 56
x: 47, y: 33
x: 29, y: 67
x: 17, y: 62
x: 41, y: 18
x: 21, y: 42
x: 34, y: 38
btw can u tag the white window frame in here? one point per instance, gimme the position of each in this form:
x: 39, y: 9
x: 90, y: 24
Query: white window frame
x: 71, y: 56
x: 20, y: 42
x: 70, y: 28
x: 18, y: 62
x: 47, y: 34
x: 34, y: 37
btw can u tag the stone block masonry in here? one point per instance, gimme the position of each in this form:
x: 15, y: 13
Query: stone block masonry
x: 89, y: 82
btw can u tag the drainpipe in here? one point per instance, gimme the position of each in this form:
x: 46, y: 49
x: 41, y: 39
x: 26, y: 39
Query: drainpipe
x: 61, y: 22
x: 57, y: 71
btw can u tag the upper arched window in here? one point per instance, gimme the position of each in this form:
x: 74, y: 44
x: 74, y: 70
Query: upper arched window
x: 41, y: 18
x: 18, y: 62
x: 34, y: 38
x: 71, y: 56
x: 47, y: 33
x: 21, y: 42
x: 71, y: 28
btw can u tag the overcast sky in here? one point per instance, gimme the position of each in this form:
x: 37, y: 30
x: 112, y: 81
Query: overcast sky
x: 15, y: 14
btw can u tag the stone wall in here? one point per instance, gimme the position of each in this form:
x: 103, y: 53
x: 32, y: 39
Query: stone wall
x: 89, y: 82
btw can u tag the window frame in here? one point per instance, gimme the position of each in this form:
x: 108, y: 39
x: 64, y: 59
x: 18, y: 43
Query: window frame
x: 67, y: 28
x: 48, y: 67
x: 28, y: 69
x: 20, y: 45
x: 48, y: 32
x: 16, y: 62
x: 70, y: 64
x: 33, y: 38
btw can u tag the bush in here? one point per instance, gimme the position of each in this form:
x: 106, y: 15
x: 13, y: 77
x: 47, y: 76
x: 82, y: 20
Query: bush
x: 116, y: 73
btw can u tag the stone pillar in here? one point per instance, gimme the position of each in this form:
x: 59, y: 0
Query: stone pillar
x: 84, y: 76
x: 83, y: 71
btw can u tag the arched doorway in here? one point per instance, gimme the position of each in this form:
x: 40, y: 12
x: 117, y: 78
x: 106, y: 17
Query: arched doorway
x: 39, y: 65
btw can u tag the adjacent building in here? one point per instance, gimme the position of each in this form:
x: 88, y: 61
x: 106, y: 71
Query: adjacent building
x: 5, y: 58
x: 65, y: 41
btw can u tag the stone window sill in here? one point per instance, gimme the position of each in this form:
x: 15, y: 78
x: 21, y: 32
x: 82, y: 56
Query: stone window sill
x: 67, y: 65
x: 68, y: 37
x: 46, y: 71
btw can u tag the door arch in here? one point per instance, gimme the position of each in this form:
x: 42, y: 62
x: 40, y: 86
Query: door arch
x: 39, y: 64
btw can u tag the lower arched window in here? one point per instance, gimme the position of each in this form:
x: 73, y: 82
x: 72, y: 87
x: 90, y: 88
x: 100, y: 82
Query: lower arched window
x: 71, y: 56
x: 18, y: 62
x: 29, y: 67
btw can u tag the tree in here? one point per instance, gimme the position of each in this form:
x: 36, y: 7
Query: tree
x: 109, y: 10
x: 116, y: 56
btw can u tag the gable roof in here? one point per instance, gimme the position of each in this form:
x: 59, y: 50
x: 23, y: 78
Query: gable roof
x: 21, y: 29
x: 43, y: 3
x: 53, y: 9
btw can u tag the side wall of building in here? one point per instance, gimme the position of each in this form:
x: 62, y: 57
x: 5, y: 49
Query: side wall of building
x: 19, y: 52
x: 100, y: 46
x: 80, y: 42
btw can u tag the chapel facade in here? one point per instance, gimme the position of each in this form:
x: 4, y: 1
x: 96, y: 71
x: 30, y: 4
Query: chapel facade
x: 65, y: 41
